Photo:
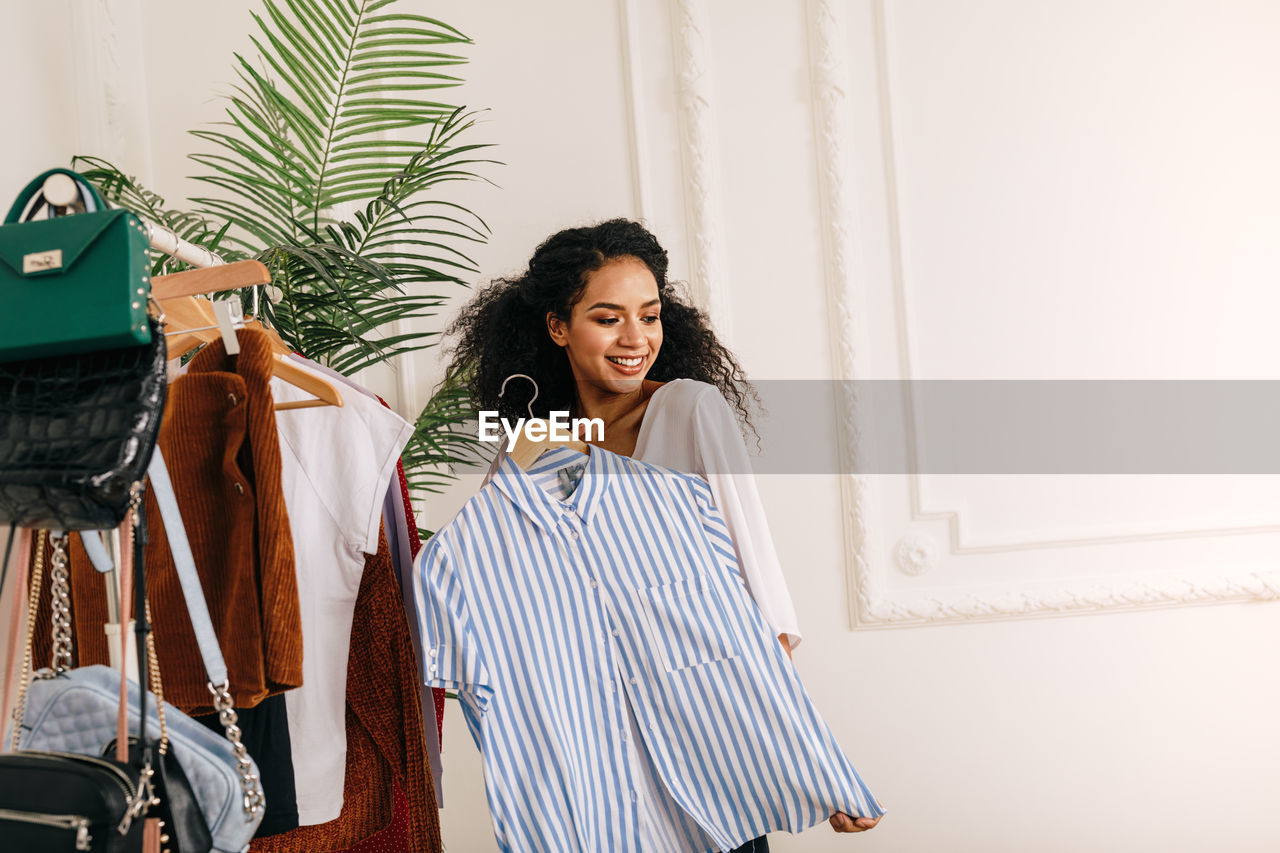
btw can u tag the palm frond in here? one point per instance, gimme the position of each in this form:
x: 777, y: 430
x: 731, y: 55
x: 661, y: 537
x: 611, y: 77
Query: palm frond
x: 332, y: 77
x: 126, y: 191
x: 329, y: 168
x: 444, y: 439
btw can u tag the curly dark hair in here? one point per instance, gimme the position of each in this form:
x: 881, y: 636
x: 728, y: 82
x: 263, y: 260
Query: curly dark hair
x: 502, y: 330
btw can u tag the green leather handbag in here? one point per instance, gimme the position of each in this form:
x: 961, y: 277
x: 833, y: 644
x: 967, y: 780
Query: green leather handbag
x: 75, y: 283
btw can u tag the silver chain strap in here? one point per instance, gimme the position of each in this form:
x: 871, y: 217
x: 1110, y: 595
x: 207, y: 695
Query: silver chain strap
x: 253, y: 802
x: 60, y: 593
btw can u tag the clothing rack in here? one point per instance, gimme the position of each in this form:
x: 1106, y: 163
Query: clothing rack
x: 166, y: 240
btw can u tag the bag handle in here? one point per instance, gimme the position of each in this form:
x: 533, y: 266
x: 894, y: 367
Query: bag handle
x: 142, y: 626
x: 88, y: 193
x: 126, y: 584
x: 214, y: 665
x: 184, y: 561
x: 133, y: 574
x: 16, y: 560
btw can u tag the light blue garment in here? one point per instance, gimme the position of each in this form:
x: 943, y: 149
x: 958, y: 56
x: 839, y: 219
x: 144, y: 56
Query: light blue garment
x: 549, y: 616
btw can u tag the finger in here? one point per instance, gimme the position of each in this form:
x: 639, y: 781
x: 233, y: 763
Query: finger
x: 842, y: 822
x: 867, y: 822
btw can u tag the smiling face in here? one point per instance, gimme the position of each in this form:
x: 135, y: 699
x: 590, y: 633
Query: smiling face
x: 614, y: 333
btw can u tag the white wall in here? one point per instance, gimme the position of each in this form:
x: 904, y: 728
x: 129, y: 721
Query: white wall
x: 914, y: 189
x: 39, y: 123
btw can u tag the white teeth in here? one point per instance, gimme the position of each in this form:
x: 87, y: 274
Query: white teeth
x: 625, y: 362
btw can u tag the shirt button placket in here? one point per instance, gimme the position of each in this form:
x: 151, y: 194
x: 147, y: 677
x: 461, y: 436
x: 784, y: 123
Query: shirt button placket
x: 567, y: 519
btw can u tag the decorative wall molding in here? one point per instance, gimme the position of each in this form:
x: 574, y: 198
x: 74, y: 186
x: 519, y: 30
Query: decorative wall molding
x: 916, y: 553
x: 699, y: 155
x: 99, y: 87
x: 629, y: 41
x: 870, y: 605
x: 109, y: 94
x: 959, y: 543
x: 830, y: 106
x: 961, y: 540
x: 1076, y: 598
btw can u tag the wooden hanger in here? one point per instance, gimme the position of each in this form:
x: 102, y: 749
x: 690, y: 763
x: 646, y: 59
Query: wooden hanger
x: 188, y: 317
x: 527, y: 450
x: 290, y: 371
x: 210, y: 280
x: 195, y: 319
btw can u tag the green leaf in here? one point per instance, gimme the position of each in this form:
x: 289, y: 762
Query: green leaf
x: 338, y: 103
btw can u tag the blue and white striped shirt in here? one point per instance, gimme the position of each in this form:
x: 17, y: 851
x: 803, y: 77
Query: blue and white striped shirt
x: 571, y: 626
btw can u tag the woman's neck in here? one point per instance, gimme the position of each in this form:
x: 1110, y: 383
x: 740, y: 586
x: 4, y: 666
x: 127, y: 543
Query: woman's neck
x: 591, y: 402
x: 621, y: 414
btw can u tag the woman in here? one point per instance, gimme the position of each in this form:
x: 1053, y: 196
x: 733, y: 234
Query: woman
x: 596, y: 324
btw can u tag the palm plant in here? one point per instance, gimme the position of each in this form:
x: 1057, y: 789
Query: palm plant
x: 328, y: 169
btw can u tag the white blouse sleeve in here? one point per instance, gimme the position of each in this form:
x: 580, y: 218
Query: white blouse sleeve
x: 719, y: 451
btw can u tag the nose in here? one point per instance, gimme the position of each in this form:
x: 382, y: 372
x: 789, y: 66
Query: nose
x: 631, y: 335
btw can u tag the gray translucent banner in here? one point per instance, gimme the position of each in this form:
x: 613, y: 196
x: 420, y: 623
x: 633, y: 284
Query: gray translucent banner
x: 969, y: 427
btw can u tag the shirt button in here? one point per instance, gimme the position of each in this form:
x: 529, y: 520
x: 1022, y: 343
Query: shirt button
x: 573, y: 534
x: 594, y: 584
x: 634, y: 796
x: 633, y: 681
x: 615, y: 633
x: 431, y: 668
x: 613, y: 686
x: 433, y: 653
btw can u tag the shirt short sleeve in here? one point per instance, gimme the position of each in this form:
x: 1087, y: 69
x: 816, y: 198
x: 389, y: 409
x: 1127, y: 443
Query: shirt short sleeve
x: 452, y: 657
x: 351, y: 483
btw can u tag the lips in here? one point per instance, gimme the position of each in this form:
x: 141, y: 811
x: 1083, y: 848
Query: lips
x: 629, y: 365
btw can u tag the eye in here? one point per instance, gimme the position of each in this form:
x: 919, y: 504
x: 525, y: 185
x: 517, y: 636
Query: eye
x: 607, y: 321
x: 652, y: 318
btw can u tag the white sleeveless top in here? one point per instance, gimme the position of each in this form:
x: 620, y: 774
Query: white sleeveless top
x: 689, y: 427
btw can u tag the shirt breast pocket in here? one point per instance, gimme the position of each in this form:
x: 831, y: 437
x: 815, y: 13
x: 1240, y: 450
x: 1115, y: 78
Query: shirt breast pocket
x: 688, y: 623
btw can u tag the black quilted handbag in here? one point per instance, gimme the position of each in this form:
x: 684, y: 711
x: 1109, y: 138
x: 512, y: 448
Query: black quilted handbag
x: 76, y: 432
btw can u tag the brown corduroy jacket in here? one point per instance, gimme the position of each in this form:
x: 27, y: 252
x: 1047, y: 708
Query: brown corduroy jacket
x: 219, y: 441
x: 220, y: 445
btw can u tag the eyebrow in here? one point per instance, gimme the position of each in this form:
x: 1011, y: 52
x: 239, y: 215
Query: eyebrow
x: 614, y: 307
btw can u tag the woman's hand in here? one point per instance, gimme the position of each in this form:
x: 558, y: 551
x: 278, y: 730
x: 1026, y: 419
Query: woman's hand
x: 842, y: 822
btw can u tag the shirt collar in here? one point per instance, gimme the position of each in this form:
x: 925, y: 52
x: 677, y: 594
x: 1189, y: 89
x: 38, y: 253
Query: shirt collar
x: 544, y: 510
